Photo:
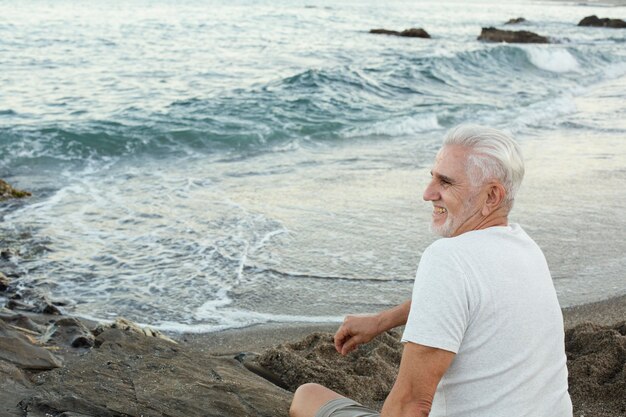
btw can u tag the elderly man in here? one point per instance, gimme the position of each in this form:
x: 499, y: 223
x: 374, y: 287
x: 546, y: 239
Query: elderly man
x: 484, y: 331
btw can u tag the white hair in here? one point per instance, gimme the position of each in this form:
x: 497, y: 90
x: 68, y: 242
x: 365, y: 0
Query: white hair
x: 494, y: 155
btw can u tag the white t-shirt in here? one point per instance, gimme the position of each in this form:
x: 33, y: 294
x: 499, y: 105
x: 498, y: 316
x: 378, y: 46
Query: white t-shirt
x: 487, y: 295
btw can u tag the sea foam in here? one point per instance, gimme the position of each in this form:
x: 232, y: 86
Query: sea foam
x: 395, y: 127
x: 552, y: 59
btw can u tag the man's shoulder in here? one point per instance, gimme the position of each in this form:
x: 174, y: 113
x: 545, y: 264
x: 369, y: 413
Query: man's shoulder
x: 478, y: 240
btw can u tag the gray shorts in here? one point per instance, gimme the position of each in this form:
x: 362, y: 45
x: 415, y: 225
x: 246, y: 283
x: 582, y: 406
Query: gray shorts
x: 345, y: 407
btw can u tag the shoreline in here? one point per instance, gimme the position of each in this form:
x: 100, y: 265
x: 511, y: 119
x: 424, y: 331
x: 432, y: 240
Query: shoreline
x: 262, y: 336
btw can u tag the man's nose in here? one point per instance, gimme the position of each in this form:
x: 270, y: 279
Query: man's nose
x: 431, y: 193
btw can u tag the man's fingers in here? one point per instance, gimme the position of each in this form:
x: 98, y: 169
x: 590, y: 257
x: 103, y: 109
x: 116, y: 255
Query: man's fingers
x: 339, y: 338
x: 350, y: 345
x: 343, y: 334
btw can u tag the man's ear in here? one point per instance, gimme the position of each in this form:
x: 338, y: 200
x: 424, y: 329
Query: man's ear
x: 495, y: 197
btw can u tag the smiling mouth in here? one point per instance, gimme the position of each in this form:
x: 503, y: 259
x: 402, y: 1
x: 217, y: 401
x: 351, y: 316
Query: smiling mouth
x: 440, y: 210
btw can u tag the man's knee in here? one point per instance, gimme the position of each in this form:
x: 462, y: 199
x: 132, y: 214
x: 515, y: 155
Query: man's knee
x: 308, y: 398
x: 300, y: 399
x: 308, y: 389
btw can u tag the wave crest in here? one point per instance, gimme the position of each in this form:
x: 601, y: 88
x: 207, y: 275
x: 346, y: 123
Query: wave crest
x: 403, y: 126
x: 552, y: 59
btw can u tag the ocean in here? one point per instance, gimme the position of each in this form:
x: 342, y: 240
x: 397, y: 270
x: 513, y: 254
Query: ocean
x: 203, y: 165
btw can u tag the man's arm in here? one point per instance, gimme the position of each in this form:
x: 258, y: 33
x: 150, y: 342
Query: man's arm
x: 359, y: 329
x: 421, y: 369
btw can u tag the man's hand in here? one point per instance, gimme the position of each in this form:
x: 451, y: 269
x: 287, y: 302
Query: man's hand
x: 359, y: 329
x: 355, y: 331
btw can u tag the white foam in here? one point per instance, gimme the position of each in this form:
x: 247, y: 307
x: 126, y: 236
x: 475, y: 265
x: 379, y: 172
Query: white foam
x: 617, y: 70
x: 557, y: 60
x: 544, y: 112
x: 210, y: 308
x: 398, y: 127
x: 233, y: 319
x: 237, y: 319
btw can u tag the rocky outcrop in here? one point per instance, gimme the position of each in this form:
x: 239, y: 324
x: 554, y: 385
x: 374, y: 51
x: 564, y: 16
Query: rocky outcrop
x: 41, y: 305
x: 6, y: 191
x: 19, y: 350
x: 14, y: 386
x: 492, y: 34
x: 594, y: 20
x: 515, y: 21
x: 22, y: 322
x: 130, y: 374
x: 124, y: 370
x: 409, y: 33
x: 68, y: 331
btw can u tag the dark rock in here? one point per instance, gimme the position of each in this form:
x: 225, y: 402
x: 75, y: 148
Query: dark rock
x: 366, y: 375
x: 4, y: 282
x: 18, y: 349
x: 6, y: 191
x: 15, y: 304
x: 43, y: 305
x: 515, y: 21
x: 61, y: 302
x: 68, y: 332
x: 22, y: 321
x: 415, y: 33
x: 12, y: 372
x: 492, y: 34
x: 47, y: 307
x: 13, y: 386
x: 409, y: 33
x: 594, y: 20
x: 131, y: 374
x: 384, y: 32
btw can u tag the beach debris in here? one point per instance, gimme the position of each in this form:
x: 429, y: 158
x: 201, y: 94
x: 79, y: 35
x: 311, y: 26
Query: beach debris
x: 18, y: 349
x: 68, y: 331
x: 492, y: 34
x: 409, y: 33
x: 4, y: 282
x: 366, y: 375
x: 7, y: 191
x: 515, y: 21
x: 605, y: 22
x: 127, y: 325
